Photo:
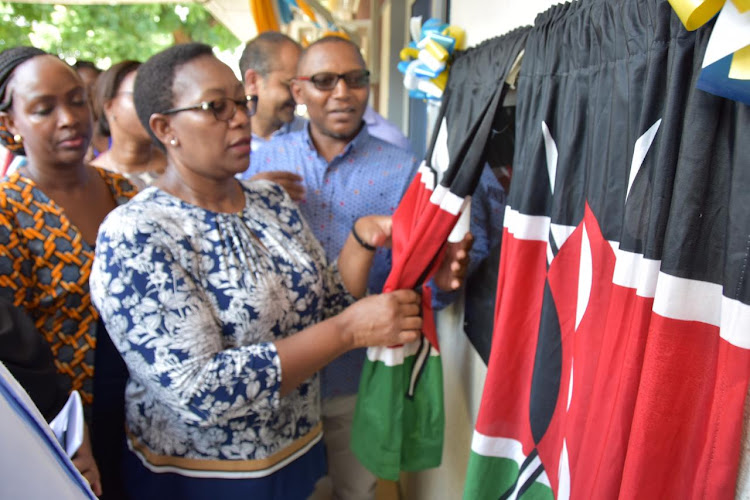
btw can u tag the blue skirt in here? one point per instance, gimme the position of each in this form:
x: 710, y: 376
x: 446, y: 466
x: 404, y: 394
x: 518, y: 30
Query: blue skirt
x: 295, y: 481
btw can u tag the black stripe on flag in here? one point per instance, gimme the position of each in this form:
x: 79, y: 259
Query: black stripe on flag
x: 534, y: 453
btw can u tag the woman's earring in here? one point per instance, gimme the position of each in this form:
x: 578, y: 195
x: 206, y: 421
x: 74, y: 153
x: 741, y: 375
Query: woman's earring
x: 17, y: 139
x: 173, y: 141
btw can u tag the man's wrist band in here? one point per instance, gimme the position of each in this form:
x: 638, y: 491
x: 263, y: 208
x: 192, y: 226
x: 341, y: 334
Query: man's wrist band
x: 362, y: 243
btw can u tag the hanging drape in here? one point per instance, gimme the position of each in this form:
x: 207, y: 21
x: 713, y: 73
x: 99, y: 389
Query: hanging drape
x: 620, y: 360
x: 467, y: 104
x: 399, y: 420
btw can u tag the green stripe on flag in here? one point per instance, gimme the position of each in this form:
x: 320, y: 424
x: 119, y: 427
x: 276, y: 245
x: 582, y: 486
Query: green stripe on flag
x: 487, y: 478
x: 391, y: 432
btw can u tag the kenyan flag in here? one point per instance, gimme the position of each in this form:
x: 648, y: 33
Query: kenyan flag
x: 621, y: 351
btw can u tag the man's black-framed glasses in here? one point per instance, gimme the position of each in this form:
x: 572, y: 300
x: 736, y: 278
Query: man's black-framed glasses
x: 355, y: 79
x: 223, y: 108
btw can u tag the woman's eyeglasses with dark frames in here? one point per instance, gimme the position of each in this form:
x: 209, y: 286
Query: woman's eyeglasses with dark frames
x: 223, y: 108
x: 355, y: 79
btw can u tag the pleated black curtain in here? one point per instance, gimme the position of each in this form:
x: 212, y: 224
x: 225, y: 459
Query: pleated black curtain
x: 473, y: 116
x: 620, y: 361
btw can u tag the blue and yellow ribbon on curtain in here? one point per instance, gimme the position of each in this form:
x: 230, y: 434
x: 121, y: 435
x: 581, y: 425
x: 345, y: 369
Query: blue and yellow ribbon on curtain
x: 270, y: 15
x: 425, y: 62
x: 265, y: 15
x: 726, y: 65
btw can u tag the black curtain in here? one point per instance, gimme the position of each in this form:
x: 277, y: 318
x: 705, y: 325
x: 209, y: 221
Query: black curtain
x: 620, y: 361
x: 477, y: 132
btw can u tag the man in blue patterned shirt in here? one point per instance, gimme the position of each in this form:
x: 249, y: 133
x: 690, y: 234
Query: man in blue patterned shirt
x: 346, y: 173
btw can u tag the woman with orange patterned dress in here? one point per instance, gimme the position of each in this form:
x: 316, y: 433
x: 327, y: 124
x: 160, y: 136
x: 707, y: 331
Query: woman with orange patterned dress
x: 50, y: 212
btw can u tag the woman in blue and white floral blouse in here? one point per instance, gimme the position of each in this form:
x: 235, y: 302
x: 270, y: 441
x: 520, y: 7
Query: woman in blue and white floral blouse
x: 221, y: 303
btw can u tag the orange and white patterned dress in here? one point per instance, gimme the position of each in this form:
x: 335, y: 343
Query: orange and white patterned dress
x: 44, y: 269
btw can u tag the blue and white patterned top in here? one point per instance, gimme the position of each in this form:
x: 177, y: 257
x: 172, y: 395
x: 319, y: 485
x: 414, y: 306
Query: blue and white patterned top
x: 368, y: 177
x: 193, y: 300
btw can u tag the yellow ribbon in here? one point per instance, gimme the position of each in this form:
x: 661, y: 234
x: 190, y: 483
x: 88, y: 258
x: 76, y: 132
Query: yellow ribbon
x: 740, y: 68
x: 696, y: 13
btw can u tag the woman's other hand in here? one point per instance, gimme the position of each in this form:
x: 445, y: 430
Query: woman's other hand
x: 452, y: 271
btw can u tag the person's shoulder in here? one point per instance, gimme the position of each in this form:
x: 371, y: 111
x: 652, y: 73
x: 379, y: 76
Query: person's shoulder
x: 292, y: 137
x: 386, y: 148
x: 264, y: 189
x: 264, y: 194
x: 15, y: 189
x: 275, y: 153
x: 122, y: 189
x: 141, y: 211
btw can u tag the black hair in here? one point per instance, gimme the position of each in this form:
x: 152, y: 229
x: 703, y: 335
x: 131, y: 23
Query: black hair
x: 106, y: 89
x: 10, y: 59
x: 261, y: 51
x: 83, y: 64
x: 331, y: 39
x: 152, y: 92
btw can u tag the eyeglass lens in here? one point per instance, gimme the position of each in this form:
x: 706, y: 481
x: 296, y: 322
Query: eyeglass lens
x: 225, y: 108
x: 357, y: 78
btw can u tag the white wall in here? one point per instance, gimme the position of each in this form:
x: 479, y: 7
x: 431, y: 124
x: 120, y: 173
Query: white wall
x: 484, y: 19
x: 463, y: 370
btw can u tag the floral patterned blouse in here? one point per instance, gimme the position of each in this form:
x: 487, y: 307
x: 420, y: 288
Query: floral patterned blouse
x: 44, y: 269
x: 193, y: 300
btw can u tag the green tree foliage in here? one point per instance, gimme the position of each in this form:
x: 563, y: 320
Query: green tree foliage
x: 109, y: 33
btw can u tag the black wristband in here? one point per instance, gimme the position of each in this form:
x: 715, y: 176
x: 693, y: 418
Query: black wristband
x: 364, y: 245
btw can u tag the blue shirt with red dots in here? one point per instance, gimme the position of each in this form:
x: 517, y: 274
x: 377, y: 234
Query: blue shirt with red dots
x: 368, y: 177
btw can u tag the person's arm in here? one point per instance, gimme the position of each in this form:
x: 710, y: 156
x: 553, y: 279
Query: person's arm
x: 13, y: 252
x: 356, y: 256
x: 84, y: 462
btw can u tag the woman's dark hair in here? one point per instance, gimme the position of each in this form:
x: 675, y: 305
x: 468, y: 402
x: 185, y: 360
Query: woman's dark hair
x: 153, y: 85
x: 83, y: 64
x: 10, y: 59
x: 107, y: 86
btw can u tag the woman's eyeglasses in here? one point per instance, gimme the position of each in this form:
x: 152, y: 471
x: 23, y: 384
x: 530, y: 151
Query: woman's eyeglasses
x: 223, y: 108
x: 355, y: 79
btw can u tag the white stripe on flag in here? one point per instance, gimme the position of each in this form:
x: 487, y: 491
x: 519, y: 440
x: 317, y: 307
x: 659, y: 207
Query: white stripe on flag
x: 735, y: 318
x: 563, y: 486
x: 446, y: 200
x: 640, y: 150
x: 585, y: 277
x: 688, y: 300
x: 500, y: 447
x: 674, y: 298
x: 550, y: 150
x: 394, y: 356
x: 693, y: 300
x: 526, y: 227
x: 633, y: 270
x: 427, y: 176
x: 497, y: 447
x: 525, y: 474
x: 560, y: 233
